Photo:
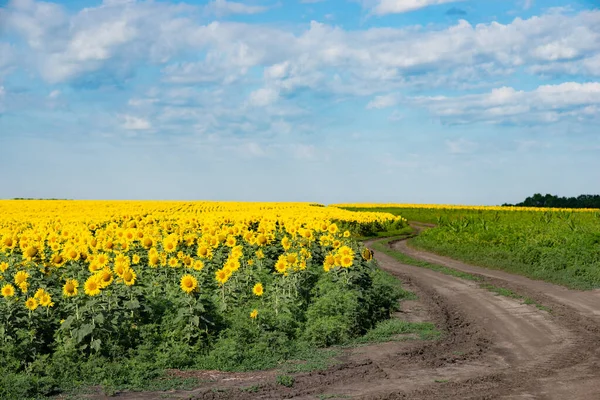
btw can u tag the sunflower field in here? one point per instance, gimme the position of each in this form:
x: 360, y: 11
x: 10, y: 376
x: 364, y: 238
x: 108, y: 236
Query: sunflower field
x: 181, y: 284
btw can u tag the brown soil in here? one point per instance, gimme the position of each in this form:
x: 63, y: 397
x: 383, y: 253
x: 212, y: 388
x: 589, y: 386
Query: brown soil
x: 493, y: 347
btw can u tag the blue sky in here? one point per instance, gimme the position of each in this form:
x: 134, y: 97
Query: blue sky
x: 415, y: 101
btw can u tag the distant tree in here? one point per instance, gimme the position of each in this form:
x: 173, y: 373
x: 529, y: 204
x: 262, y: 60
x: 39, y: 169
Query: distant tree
x: 553, y: 201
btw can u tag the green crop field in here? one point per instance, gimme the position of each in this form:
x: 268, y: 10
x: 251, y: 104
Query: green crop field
x: 559, y: 246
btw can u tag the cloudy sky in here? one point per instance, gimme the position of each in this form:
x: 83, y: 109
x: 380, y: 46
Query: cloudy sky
x: 437, y: 101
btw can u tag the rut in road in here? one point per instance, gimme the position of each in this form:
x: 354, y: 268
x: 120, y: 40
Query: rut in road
x: 532, y: 354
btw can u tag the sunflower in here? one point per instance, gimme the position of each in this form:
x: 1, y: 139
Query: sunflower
x: 173, y: 262
x: 94, y: 267
x: 221, y: 276
x: 147, y: 242
x: 102, y: 259
x: 198, y: 265
x: 346, y: 261
x: 333, y: 229
x: 230, y: 241
x: 135, y: 259
x: 21, y: 277
x: 169, y: 245
x: 72, y: 254
x: 329, y: 262
x: 188, y: 283
x: 153, y: 260
x: 8, y: 290
x: 285, y: 242
x: 3, y: 266
x: 129, y: 277
x: 24, y: 286
x: 261, y: 240
x: 39, y: 293
x: 57, y: 259
x: 291, y: 258
x: 254, y: 314
x: 105, y: 277
x: 203, y: 251
x: 367, y: 254
x: 92, y: 286
x: 307, y: 234
x: 46, y: 300
x: 30, y: 252
x: 70, y: 288
x: 281, y: 266
x: 346, y: 234
x: 258, y: 289
x: 31, y: 303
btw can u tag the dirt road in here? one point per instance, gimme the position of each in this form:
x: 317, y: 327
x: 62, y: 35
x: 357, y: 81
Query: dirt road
x: 494, y: 347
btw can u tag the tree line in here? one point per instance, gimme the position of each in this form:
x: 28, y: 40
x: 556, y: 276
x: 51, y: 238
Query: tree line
x: 553, y: 201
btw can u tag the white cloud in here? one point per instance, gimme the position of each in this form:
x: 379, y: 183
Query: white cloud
x: 54, y: 94
x: 460, y: 146
x: 263, y: 97
x: 135, y: 123
x: 304, y: 151
x: 546, y: 104
x: 223, y: 7
x: 252, y: 149
x: 117, y: 38
x: 7, y: 57
x: 385, y: 101
x: 383, y: 7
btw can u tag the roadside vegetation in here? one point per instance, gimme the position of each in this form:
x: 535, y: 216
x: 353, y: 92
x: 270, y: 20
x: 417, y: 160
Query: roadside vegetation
x: 558, y: 246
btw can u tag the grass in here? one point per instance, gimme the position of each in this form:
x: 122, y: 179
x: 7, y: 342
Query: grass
x: 509, y: 293
x: 285, y: 380
x: 407, y: 231
x: 312, y: 360
x: 560, y: 247
x: 389, y: 330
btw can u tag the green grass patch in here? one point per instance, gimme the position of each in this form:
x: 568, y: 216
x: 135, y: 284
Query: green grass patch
x: 406, y: 231
x: 501, y: 291
x: 285, y: 380
x: 389, y: 330
x: 312, y: 360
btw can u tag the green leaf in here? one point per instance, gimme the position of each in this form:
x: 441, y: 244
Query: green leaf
x: 96, y: 344
x: 132, y: 304
x: 99, y: 319
x: 67, y: 324
x: 82, y: 332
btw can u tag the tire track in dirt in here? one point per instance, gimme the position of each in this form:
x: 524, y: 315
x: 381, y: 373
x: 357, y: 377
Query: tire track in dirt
x: 547, y: 356
x: 584, y: 302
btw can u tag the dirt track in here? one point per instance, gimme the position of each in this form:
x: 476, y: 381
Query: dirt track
x: 494, y: 347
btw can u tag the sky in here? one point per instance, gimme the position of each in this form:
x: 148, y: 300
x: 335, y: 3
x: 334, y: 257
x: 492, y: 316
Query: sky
x: 404, y: 101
